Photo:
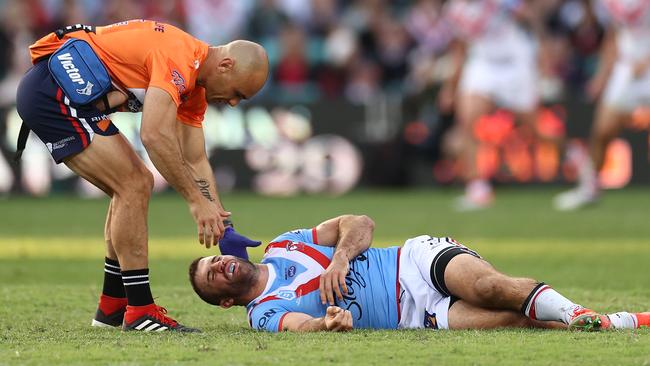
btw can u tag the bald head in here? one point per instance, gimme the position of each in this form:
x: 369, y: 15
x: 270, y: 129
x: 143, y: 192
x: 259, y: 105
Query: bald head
x: 235, y: 71
x: 250, y: 57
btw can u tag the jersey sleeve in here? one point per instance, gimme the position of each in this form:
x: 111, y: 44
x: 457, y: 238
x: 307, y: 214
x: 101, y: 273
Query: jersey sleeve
x: 165, y: 74
x: 267, y: 316
x: 192, y: 110
x: 301, y: 235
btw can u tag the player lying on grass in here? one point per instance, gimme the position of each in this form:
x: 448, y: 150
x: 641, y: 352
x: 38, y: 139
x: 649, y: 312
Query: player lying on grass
x: 427, y: 283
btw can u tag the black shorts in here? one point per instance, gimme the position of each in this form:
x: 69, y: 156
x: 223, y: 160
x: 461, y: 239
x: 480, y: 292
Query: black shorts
x: 65, y: 129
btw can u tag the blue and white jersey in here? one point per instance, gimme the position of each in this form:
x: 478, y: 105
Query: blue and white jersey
x: 296, y: 261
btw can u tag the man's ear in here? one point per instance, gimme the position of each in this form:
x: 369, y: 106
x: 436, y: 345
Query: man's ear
x: 226, y: 303
x: 226, y: 64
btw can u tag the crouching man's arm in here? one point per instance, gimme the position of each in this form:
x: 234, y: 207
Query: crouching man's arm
x: 336, y: 320
x: 352, y: 235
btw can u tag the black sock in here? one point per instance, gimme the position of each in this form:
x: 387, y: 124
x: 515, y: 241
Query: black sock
x: 113, y: 285
x: 136, y: 284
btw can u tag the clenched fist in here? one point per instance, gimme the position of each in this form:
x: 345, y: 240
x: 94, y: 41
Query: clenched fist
x: 337, y: 319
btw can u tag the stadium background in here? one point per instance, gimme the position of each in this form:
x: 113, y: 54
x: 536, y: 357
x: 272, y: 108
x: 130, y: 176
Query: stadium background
x: 350, y: 106
x: 351, y: 100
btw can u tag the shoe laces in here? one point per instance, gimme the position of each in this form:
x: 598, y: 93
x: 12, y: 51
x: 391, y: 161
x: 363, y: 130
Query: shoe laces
x: 159, y: 314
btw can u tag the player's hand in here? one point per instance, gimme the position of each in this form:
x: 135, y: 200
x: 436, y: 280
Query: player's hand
x: 233, y: 243
x: 209, y: 218
x: 333, y: 279
x: 337, y: 319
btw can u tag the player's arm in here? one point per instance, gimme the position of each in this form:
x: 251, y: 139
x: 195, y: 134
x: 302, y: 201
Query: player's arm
x: 192, y: 143
x: 457, y: 56
x: 335, y: 320
x: 352, y: 235
x: 159, y: 137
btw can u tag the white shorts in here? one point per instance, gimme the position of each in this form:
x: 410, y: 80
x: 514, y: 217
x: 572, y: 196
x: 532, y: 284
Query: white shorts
x: 511, y: 85
x: 423, y: 304
x: 623, y: 91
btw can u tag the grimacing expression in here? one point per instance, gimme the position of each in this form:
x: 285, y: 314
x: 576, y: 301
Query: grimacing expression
x: 224, y: 275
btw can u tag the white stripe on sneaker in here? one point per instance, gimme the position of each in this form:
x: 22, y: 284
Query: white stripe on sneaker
x: 151, y: 327
x: 143, y: 324
x: 161, y: 329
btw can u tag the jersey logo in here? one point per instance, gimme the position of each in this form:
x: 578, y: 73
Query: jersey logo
x: 179, y: 82
x: 287, y: 295
x: 265, y: 318
x: 70, y: 68
x: 294, y: 246
x: 87, y: 90
x: 289, y: 272
x: 430, y: 320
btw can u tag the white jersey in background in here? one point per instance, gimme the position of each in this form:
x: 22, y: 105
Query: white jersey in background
x: 631, y: 20
x: 490, y: 30
x: 501, y: 63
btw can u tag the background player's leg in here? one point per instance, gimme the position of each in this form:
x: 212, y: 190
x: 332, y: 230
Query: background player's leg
x: 463, y: 315
x: 478, y: 192
x: 607, y: 125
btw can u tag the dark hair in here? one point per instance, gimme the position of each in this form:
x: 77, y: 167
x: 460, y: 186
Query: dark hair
x: 213, y: 300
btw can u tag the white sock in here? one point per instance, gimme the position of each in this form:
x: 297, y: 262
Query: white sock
x: 544, y: 303
x: 588, y: 177
x: 478, y: 188
x: 623, y: 320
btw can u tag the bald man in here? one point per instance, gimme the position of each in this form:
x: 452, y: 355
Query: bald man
x: 170, y: 77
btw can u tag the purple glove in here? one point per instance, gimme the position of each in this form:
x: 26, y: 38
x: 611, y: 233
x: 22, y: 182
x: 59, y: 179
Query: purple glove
x: 233, y: 243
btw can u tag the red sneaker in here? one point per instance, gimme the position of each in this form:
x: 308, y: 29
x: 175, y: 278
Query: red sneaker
x: 589, y: 321
x: 110, y: 311
x: 152, y: 318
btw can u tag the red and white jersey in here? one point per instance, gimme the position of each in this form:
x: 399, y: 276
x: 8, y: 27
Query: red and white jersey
x: 490, y: 29
x: 632, y: 21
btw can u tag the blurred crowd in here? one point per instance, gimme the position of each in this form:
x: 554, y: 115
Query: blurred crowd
x: 319, y: 49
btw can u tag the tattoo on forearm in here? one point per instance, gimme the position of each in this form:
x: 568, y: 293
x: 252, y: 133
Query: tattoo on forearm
x: 204, y: 187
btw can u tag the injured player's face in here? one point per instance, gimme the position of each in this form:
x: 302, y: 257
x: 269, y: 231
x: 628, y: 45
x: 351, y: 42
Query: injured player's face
x: 225, y: 276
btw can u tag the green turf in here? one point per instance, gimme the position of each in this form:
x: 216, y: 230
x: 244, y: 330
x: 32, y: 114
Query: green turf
x: 51, y: 259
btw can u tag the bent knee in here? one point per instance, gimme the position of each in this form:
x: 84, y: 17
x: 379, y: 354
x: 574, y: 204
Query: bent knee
x: 490, y: 289
x: 137, y: 183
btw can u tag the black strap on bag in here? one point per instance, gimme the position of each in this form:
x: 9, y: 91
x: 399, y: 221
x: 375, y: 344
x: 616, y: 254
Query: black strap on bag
x: 22, y: 142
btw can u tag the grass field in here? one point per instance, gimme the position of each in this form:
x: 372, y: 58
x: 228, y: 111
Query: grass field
x: 51, y: 256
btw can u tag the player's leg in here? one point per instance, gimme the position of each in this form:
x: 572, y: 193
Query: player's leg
x: 463, y: 315
x: 478, y: 191
x: 625, y: 320
x: 111, y: 163
x: 607, y: 125
x: 112, y: 302
x: 476, y: 281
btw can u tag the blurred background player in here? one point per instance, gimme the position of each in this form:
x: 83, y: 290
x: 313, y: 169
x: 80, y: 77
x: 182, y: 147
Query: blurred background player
x: 623, y: 79
x: 495, y: 66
